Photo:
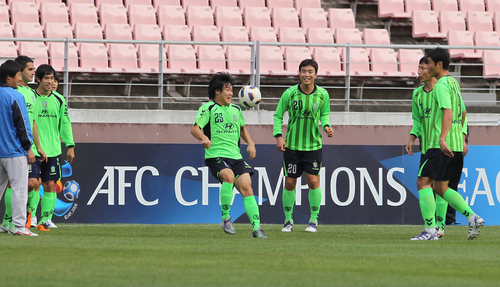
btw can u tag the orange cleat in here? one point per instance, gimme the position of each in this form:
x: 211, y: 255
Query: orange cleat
x: 28, y: 221
x: 43, y: 227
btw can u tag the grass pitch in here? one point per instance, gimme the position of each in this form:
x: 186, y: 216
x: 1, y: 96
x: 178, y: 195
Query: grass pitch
x: 202, y: 255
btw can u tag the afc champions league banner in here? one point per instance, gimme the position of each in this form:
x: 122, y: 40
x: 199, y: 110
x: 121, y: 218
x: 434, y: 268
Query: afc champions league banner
x: 169, y: 183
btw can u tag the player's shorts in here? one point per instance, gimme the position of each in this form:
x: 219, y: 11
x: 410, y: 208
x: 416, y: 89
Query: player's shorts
x: 238, y: 166
x: 296, y: 162
x: 47, y: 170
x: 436, y: 165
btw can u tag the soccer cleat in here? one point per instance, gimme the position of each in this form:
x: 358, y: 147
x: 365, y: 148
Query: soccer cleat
x: 5, y: 229
x: 28, y: 220
x: 24, y: 232
x: 50, y: 224
x: 425, y: 236
x: 439, y: 232
x: 227, y: 226
x: 288, y: 227
x: 33, y: 221
x: 311, y: 227
x: 43, y: 227
x: 474, y: 226
x: 259, y: 233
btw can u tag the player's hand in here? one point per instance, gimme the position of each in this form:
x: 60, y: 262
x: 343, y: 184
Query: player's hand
x: 280, y: 144
x: 466, y: 149
x: 43, y: 155
x: 444, y: 148
x: 252, y: 152
x: 205, y: 142
x: 71, y: 154
x: 329, y: 131
x: 31, y: 157
x: 409, y: 147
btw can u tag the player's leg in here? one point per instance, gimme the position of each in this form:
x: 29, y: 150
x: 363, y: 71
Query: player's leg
x: 243, y: 184
x: 3, y: 186
x: 50, y: 173
x: 33, y: 192
x: 441, y: 208
x: 312, y: 161
x: 49, y: 222
x: 292, y: 169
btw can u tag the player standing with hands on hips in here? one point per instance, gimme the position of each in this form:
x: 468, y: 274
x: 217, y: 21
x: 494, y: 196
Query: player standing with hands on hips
x: 307, y: 105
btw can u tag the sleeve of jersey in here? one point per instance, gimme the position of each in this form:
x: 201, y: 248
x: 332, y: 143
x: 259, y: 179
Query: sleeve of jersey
x: 443, y: 96
x: 280, y: 111
x: 65, y: 126
x: 465, y: 127
x: 22, y: 122
x: 325, y: 111
x: 241, y: 120
x: 417, y: 127
x: 202, y: 117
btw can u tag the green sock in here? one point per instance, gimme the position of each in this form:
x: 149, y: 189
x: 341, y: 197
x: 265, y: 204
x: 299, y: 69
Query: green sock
x: 7, y: 218
x: 315, y: 204
x: 33, y: 201
x: 252, y: 210
x: 288, y: 204
x: 226, y: 197
x: 46, y: 204
x: 458, y: 203
x: 54, y: 201
x: 441, y: 208
x: 428, y: 207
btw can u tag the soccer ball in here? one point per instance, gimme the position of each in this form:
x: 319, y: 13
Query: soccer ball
x: 249, y: 96
x: 71, y: 190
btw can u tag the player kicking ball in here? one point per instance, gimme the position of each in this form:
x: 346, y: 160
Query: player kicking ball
x: 219, y: 126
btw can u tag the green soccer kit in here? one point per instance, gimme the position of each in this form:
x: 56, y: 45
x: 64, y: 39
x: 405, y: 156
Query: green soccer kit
x: 30, y: 98
x: 305, y: 112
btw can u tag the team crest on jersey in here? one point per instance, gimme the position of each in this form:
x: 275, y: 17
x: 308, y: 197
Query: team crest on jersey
x: 52, y: 169
x: 33, y: 98
x: 315, y: 106
x: 235, y: 118
x: 44, y: 104
x: 315, y: 165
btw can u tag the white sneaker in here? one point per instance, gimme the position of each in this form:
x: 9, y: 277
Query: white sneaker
x: 34, y: 222
x: 50, y: 224
x: 474, y: 224
x: 311, y: 227
x: 288, y: 227
x: 439, y: 232
x: 425, y: 236
x: 4, y: 229
x: 24, y: 232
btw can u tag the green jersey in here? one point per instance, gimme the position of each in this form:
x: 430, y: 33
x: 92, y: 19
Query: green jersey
x: 222, y: 125
x: 30, y: 98
x: 51, y: 115
x: 427, y: 114
x: 304, y: 113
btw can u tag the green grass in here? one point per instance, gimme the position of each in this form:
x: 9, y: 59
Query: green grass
x: 202, y: 255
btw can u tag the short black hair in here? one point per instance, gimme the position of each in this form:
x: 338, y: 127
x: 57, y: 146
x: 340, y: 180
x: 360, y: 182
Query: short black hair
x: 218, y: 82
x: 309, y: 62
x: 440, y: 55
x: 424, y: 60
x: 9, y: 69
x: 44, y: 70
x: 56, y: 77
x: 23, y: 61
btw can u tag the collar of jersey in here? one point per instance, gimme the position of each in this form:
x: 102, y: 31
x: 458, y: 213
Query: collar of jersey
x: 51, y: 93
x: 314, y: 90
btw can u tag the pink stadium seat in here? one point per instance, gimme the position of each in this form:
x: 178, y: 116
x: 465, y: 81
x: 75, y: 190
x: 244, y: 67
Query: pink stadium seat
x: 23, y: 12
x: 263, y: 34
x: 471, y: 5
x: 157, y: 3
x: 384, y: 63
x: 93, y: 57
x: 444, y: 5
x: 341, y: 18
x: 149, y: 56
x: 376, y: 37
x: 117, y: 32
x: 205, y: 34
x: 227, y: 16
x: 181, y: 59
x: 251, y: 3
x: 39, y: 2
x: 238, y: 59
x: 319, y: 35
x: 344, y: 36
x: 223, y: 3
x: 146, y: 32
x: 479, y: 21
x: 271, y: 61
x: 186, y: 3
x: 451, y: 20
x: 58, y: 31
x: 256, y: 17
x: 69, y: 2
x: 36, y: 50
x: 279, y: 4
x: 176, y: 33
x: 113, y: 14
x: 408, y: 61
x: 284, y: 17
x: 12, y: 1
x: 99, y: 2
x: 87, y: 31
x: 234, y: 34
x: 312, y: 18
x: 82, y: 13
x: 170, y: 15
x: 461, y: 38
x: 425, y: 25
x: 299, y: 4
x: 4, y: 13
x: 492, y: 6
x: 293, y: 57
x: 211, y: 58
x: 291, y: 35
x: 328, y: 62
x: 54, y: 13
x: 483, y: 38
x: 123, y: 57
x: 199, y: 15
x: 491, y: 64
x: 56, y: 54
x: 127, y: 3
x: 496, y: 21
x: 141, y: 14
x: 359, y: 63
x: 392, y: 9
x: 6, y: 30
x: 411, y: 5
x: 28, y: 30
x: 8, y: 50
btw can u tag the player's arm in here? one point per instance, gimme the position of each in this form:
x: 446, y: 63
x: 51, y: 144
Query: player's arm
x: 445, y: 128
x: 66, y: 131
x: 417, y: 126
x: 36, y: 139
x: 325, y: 116
x: 278, y: 121
x: 245, y: 135
x: 22, y: 125
x: 202, y: 119
x: 465, y: 131
x: 198, y: 134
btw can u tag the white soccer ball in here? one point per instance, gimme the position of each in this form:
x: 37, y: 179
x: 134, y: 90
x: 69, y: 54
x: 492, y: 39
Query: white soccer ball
x: 71, y: 190
x: 249, y: 96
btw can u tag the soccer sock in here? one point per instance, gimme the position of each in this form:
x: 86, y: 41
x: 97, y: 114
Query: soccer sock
x: 252, y: 210
x: 46, y: 204
x: 288, y: 203
x: 54, y: 201
x: 458, y: 203
x: 33, y: 201
x: 428, y: 208
x: 226, y: 196
x: 315, y: 204
x: 7, y: 218
x: 441, y: 208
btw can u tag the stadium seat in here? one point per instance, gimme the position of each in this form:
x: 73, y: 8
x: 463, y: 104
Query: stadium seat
x: 408, y: 61
x: 148, y: 56
x: 157, y: 3
x: 58, y: 31
x: 53, y: 13
x: 425, y: 25
x: 28, y: 30
x: 492, y: 6
x: 358, y: 62
x: 319, y: 36
x: 23, y: 12
x: 299, y: 4
x: 127, y: 3
x: 312, y: 18
x: 36, y: 50
x: 93, y: 57
x: 186, y: 3
x: 205, y: 34
x: 483, y: 38
x: 328, y: 60
x: 115, y: 2
x: 199, y: 15
x: 223, y: 3
x: 39, y: 2
x: 56, y: 56
x: 256, y: 17
x: 392, y: 9
x: 341, y: 18
x: 141, y: 14
x: 227, y: 16
x: 8, y: 50
x: 251, y: 3
x: 233, y: 34
x: 82, y: 13
x: 271, y: 61
x: 444, y: 5
x: 479, y: 21
x: 411, y: 5
x: 496, y: 21
x: 375, y: 37
x: 384, y: 63
x: 461, y: 38
x: 170, y: 15
x: 471, y: 5
x: 146, y: 32
x: 263, y: 34
x: 284, y: 17
x: 87, y: 31
x: 451, y: 20
x: 176, y: 33
x: 491, y: 64
x: 123, y: 57
x: 6, y: 30
x: 69, y: 2
x: 113, y: 14
x: 181, y: 59
x: 291, y: 35
x: 238, y: 59
x: 279, y: 4
x: 4, y: 13
x: 293, y: 57
x: 117, y: 32
x: 344, y: 36
x: 211, y: 58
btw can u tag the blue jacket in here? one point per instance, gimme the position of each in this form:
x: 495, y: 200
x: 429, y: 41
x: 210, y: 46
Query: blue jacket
x: 15, y: 129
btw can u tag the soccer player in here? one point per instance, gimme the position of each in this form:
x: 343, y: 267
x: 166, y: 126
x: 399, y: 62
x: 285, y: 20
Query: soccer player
x: 16, y: 139
x: 307, y: 104
x: 442, y: 119
x: 54, y: 124
x: 219, y: 126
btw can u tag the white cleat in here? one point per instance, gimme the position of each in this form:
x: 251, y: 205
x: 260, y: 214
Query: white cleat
x: 311, y: 227
x: 475, y: 224
x: 34, y: 222
x: 288, y: 227
x: 50, y: 224
x: 24, y: 232
x: 425, y: 236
